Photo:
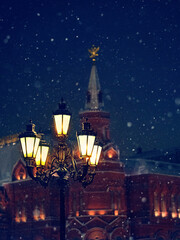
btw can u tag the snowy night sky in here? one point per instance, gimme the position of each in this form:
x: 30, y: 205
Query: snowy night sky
x: 44, y: 56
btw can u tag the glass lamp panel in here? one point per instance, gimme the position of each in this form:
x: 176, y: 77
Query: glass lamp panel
x: 82, y: 144
x: 44, y: 153
x: 58, y: 122
x: 23, y: 145
x: 90, y: 143
x: 98, y: 154
x: 38, y: 157
x: 94, y: 155
x: 66, y: 121
x: 36, y: 145
x: 30, y: 146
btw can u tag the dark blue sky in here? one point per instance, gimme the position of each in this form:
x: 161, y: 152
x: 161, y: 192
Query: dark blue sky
x: 43, y: 56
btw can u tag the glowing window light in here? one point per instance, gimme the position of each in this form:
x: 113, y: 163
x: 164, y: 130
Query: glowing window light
x: 91, y: 212
x: 157, y: 213
x: 174, y: 214
x: 164, y: 214
x: 116, y: 212
x: 102, y: 212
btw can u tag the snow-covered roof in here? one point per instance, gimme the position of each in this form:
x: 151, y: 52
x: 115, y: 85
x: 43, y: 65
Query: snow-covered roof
x: 9, y: 154
x: 137, y: 166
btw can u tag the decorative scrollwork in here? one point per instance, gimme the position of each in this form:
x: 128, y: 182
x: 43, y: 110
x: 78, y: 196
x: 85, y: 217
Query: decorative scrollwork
x: 62, y: 165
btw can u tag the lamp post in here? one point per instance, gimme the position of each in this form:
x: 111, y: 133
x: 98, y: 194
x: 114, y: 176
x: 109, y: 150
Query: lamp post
x: 61, y: 164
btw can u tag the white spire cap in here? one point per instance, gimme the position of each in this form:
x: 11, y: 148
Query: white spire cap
x: 94, y: 94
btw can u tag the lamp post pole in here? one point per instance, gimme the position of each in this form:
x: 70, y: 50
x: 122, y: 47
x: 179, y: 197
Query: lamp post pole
x: 60, y: 164
x: 62, y: 218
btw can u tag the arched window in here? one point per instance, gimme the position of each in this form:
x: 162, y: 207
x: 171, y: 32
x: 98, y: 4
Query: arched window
x: 163, y: 206
x: 156, y: 205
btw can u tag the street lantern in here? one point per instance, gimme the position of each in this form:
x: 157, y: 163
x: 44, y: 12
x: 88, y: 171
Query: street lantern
x: 42, y: 154
x: 61, y: 164
x: 29, y: 141
x: 62, y: 119
x: 96, y: 153
x: 86, y: 139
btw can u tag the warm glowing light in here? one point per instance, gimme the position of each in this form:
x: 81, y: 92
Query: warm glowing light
x: 86, y: 143
x: 174, y: 215
x: 77, y: 213
x: 95, y: 155
x: 91, y: 213
x: 23, y: 145
x: 19, y: 177
x: 36, y: 214
x: 110, y: 155
x: 17, y: 219
x: 23, y: 218
x: 62, y: 124
x: 36, y: 218
x: 102, y: 212
x: 42, y: 216
x: 116, y: 212
x: 156, y: 213
x: 41, y: 155
x: 164, y: 214
x: 29, y: 146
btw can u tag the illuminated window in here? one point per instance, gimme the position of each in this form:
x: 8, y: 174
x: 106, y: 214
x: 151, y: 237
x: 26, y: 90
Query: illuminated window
x: 178, y: 205
x: 42, y: 215
x: 23, y: 215
x: 116, y: 212
x: 156, y: 205
x: 20, y: 173
x: 163, y: 206
x: 173, y: 207
x: 36, y: 213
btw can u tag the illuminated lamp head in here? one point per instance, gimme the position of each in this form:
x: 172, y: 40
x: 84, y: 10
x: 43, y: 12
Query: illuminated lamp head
x: 42, y: 154
x: 29, y: 142
x: 62, y: 119
x: 86, y: 139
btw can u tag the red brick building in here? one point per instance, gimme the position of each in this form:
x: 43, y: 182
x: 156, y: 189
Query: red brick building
x: 134, y: 198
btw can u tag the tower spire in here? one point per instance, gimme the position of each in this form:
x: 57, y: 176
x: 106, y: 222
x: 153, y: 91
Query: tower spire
x: 94, y: 94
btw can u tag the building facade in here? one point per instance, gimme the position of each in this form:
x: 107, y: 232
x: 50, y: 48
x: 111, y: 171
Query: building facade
x: 129, y: 199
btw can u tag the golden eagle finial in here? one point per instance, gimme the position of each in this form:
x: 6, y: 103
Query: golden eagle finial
x: 93, y: 51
